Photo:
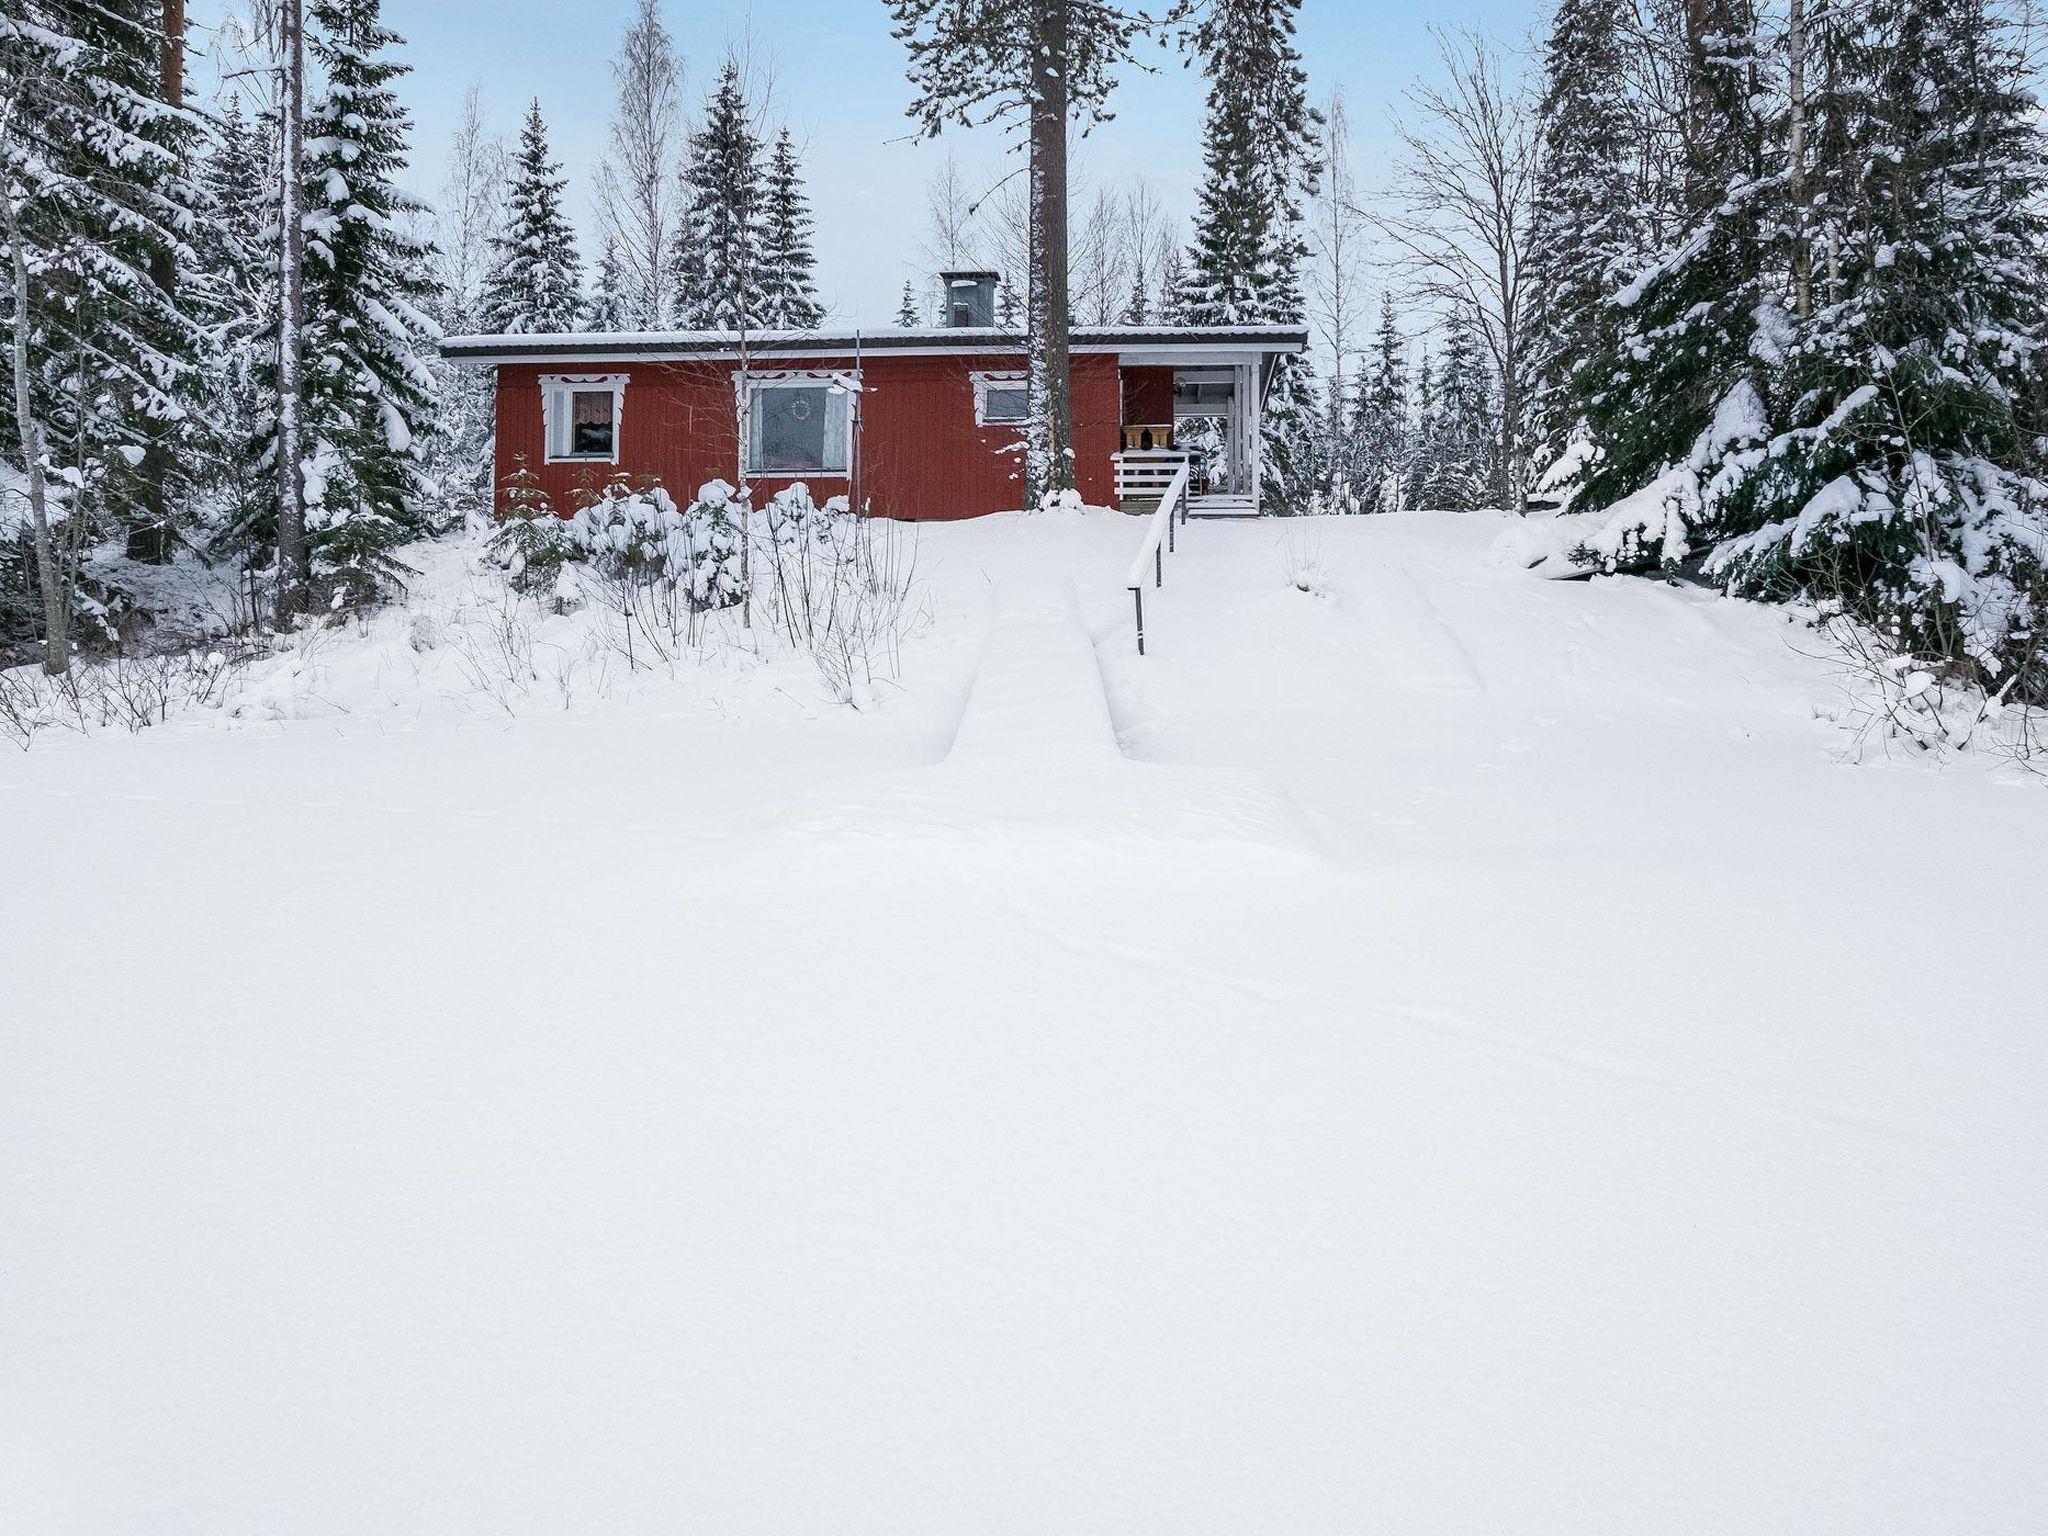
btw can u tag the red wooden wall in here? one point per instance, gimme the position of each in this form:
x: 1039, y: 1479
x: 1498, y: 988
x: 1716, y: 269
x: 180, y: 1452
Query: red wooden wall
x: 1148, y: 396
x: 923, y: 456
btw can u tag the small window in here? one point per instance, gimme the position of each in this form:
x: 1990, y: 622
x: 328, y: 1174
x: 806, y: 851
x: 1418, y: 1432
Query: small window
x: 798, y: 425
x: 581, y: 416
x: 1001, y: 399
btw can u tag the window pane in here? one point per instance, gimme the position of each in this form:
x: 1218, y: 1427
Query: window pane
x: 590, y: 429
x: 791, y: 424
x: 1007, y: 403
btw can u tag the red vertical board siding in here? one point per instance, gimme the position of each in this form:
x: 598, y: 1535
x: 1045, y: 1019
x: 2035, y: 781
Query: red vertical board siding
x: 922, y: 455
x: 1148, y: 396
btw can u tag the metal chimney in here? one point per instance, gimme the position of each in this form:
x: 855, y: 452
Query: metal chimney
x: 970, y: 298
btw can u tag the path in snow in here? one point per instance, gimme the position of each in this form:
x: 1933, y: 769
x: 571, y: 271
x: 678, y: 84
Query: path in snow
x: 1036, y: 757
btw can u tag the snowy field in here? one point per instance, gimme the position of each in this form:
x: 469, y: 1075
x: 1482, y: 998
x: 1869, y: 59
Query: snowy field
x: 1476, y: 1060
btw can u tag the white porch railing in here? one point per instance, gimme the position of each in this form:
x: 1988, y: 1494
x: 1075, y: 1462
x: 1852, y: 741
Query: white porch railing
x: 1160, y: 541
x: 1142, y: 473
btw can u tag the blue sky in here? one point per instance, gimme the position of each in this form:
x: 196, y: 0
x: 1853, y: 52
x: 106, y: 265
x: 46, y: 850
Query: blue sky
x: 840, y: 84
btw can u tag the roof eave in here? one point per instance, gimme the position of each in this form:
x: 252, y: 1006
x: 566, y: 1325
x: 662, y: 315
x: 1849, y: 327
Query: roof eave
x: 935, y: 341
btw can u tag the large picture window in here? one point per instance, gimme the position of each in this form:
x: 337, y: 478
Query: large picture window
x: 580, y: 416
x: 798, y: 423
x: 1001, y: 399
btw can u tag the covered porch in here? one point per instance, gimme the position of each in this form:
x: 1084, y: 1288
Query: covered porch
x: 1203, y: 412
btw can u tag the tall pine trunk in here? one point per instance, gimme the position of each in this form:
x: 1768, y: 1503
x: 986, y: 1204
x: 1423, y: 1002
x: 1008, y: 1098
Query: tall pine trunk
x: 151, y: 541
x: 294, y: 560
x: 1049, y: 457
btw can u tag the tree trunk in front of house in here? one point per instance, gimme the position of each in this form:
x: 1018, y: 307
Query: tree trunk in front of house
x: 1049, y: 455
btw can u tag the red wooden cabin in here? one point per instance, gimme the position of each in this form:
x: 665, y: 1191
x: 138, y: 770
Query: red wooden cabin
x: 929, y: 421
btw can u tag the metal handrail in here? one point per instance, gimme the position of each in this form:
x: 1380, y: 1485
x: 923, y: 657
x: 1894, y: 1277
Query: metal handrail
x: 1160, y: 540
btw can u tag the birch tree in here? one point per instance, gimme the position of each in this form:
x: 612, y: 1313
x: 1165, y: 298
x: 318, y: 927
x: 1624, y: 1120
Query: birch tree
x: 1459, y: 221
x: 636, y: 190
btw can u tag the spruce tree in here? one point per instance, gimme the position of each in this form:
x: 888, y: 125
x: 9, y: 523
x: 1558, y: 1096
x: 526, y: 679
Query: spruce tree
x: 1902, y: 475
x: 97, y: 209
x: 238, y: 251
x: 1380, y: 446
x: 1678, y: 370
x: 1138, y: 305
x: 907, y: 314
x: 536, y: 279
x: 789, y: 298
x: 610, y: 293
x: 369, y: 393
x: 1586, y: 217
x: 1464, y: 425
x: 1424, y: 442
x: 719, y: 271
x: 1260, y: 159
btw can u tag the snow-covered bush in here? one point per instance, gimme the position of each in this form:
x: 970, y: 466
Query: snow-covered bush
x: 641, y: 536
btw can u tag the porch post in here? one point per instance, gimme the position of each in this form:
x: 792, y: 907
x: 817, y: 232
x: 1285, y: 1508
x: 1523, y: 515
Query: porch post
x: 1254, y: 446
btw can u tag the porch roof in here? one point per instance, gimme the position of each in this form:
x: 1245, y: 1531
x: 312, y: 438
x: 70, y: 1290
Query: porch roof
x: 1163, y: 345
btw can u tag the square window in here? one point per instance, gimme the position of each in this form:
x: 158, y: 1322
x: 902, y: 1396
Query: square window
x: 1001, y: 399
x: 581, y: 415
x: 797, y: 426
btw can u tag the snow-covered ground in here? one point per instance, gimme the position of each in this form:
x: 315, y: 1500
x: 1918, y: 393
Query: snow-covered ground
x: 1475, y: 1060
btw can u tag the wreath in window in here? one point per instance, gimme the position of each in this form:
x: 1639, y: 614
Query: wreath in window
x: 799, y: 409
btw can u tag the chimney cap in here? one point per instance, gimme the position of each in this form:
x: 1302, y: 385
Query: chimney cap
x: 969, y: 277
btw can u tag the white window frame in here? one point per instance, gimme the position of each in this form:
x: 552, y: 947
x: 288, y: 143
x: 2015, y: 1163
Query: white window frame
x: 556, y: 413
x: 982, y: 382
x: 848, y: 383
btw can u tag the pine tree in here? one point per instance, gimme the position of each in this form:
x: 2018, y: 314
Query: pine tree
x: 719, y: 270
x: 789, y: 296
x: 609, y: 308
x: 96, y: 209
x: 1587, y: 219
x: 1260, y: 158
x: 368, y: 394
x: 907, y: 314
x: 536, y: 278
x: 1050, y: 62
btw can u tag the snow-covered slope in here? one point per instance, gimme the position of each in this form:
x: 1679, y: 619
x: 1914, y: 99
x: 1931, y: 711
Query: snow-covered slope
x: 1570, y: 1099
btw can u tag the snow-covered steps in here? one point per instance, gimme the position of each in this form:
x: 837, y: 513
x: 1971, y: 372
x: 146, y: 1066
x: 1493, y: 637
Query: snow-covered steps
x: 1035, y: 760
x: 1220, y: 505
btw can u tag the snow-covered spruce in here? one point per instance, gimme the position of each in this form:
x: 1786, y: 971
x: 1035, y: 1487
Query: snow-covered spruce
x: 1828, y: 392
x: 789, y: 296
x: 1260, y: 159
x: 368, y: 285
x: 536, y: 278
x: 717, y: 270
x: 98, y: 214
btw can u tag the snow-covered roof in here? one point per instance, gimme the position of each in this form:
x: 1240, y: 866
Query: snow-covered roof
x: 658, y: 345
